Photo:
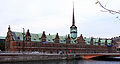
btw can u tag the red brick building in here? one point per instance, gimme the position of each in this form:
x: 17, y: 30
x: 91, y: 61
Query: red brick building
x: 18, y: 41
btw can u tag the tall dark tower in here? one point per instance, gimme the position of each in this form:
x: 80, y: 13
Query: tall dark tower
x: 73, y: 28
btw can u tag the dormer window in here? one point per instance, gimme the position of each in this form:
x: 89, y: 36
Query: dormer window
x: 18, y: 37
x: 39, y: 38
x: 53, y: 39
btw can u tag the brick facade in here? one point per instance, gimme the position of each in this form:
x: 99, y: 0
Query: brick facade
x: 55, y: 47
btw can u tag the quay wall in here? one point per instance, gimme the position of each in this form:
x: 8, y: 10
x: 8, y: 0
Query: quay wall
x: 31, y: 57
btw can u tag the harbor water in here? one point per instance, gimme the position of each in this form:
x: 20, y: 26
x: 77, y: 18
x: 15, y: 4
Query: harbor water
x: 65, y: 62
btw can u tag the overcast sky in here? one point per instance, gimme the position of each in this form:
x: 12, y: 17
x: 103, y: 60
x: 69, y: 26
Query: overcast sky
x: 54, y: 16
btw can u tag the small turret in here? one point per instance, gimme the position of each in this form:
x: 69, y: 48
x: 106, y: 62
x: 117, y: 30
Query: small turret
x: 105, y: 42
x: 57, y: 38
x: 91, y: 41
x: 99, y: 43
x: 68, y: 39
x: 43, y: 37
x: 28, y: 36
x: 9, y: 28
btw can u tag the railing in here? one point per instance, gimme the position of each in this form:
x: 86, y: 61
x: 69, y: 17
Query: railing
x: 45, y: 53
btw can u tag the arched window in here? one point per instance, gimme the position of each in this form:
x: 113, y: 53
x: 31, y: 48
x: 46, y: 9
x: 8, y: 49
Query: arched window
x: 18, y: 43
x: 28, y: 44
x: 32, y: 44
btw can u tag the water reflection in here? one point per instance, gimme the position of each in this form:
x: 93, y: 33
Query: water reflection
x: 66, y: 62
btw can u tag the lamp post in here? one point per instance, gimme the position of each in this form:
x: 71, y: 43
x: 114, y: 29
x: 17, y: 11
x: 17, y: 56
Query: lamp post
x: 23, y: 39
x: 66, y: 49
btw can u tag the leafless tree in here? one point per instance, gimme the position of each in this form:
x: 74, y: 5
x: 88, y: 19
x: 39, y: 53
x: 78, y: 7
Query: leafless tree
x: 108, y: 10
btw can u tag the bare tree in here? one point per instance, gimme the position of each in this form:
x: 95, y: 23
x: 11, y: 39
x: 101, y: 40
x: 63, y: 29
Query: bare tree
x: 108, y: 10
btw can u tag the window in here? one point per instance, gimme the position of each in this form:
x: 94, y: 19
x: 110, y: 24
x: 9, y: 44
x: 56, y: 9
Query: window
x: 32, y: 49
x: 18, y: 37
x: 28, y: 44
x: 43, y: 45
x: 36, y: 49
x: 109, y: 43
x: 53, y: 45
x: 27, y: 38
x: 36, y: 44
x: 25, y: 44
x: 60, y: 45
x: 39, y: 38
x: 40, y: 44
x: 18, y: 43
x: 33, y: 44
x: 49, y: 45
x: 102, y: 43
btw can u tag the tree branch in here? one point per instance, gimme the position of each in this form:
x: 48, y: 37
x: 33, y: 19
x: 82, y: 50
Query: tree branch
x: 108, y: 10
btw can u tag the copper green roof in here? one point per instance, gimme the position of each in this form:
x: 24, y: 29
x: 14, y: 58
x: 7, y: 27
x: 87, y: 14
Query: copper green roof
x: 109, y: 42
x: 73, y: 41
x: 95, y: 41
x: 36, y: 37
x: 2, y: 37
x: 87, y: 41
x: 102, y: 42
x: 62, y: 39
x: 18, y: 36
x: 50, y: 38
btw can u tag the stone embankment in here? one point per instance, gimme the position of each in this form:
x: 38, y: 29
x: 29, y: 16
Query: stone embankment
x: 29, y: 57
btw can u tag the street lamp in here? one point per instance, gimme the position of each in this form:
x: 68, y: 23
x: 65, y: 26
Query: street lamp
x: 23, y: 39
